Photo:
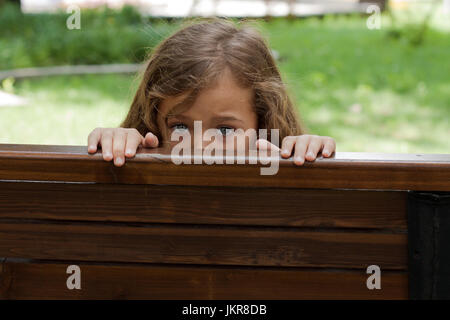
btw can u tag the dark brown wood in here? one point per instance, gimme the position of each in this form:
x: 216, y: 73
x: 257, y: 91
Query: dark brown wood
x: 154, y: 166
x: 246, y: 246
x: 152, y: 229
x: 37, y: 280
x: 204, y: 205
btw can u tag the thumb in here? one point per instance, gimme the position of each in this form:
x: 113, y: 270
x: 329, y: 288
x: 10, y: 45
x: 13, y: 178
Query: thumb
x: 150, y: 141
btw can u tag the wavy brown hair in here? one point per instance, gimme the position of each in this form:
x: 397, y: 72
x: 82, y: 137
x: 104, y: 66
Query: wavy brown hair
x: 192, y: 59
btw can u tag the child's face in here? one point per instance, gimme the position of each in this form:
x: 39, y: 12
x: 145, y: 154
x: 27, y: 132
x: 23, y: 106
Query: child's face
x: 223, y: 107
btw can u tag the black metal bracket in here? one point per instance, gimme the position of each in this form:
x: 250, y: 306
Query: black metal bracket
x: 429, y: 245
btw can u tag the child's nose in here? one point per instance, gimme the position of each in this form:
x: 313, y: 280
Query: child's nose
x: 198, y: 142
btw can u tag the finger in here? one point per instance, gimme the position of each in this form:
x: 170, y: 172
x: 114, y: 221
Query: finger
x: 329, y: 147
x: 270, y: 149
x: 134, y: 139
x: 119, y: 138
x: 314, y: 146
x: 301, y: 143
x: 263, y: 144
x: 287, y: 145
x: 106, y: 141
x: 150, y: 141
x: 93, y: 140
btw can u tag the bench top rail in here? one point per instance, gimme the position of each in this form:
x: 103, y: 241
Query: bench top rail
x: 344, y: 170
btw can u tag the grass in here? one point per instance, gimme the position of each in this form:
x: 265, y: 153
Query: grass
x: 371, y: 92
x: 64, y: 110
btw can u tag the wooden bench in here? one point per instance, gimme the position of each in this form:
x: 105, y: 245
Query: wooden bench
x: 155, y: 230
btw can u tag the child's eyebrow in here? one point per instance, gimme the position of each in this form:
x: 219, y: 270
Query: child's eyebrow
x: 226, y: 118
x: 186, y: 102
x: 217, y: 119
x: 177, y: 116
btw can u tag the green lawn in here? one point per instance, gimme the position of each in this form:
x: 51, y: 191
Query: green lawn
x: 63, y: 110
x: 370, y: 92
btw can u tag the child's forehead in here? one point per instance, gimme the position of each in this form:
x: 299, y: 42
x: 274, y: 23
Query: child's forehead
x: 223, y: 95
x: 206, y: 106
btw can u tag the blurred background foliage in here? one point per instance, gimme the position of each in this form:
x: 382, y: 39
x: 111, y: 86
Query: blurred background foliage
x: 106, y: 36
x: 385, y: 90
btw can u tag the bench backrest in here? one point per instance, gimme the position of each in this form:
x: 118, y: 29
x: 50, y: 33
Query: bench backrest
x: 153, y: 229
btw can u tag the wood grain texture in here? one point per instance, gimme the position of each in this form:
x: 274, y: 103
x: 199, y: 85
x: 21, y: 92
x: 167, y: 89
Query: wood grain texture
x: 247, y: 246
x: 39, y: 280
x: 152, y: 229
x: 154, y: 166
x: 204, y: 205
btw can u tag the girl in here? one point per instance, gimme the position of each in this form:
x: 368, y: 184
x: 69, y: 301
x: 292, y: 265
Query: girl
x: 220, y: 74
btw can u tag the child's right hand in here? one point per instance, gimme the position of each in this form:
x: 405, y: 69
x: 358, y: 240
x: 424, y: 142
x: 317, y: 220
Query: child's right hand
x: 118, y: 143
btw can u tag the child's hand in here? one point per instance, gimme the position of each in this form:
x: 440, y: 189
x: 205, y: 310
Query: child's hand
x: 306, y: 146
x: 119, y: 142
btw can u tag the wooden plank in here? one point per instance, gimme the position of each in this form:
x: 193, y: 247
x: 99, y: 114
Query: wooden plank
x: 220, y: 245
x: 154, y: 166
x: 38, y: 280
x: 163, y: 154
x: 204, y: 205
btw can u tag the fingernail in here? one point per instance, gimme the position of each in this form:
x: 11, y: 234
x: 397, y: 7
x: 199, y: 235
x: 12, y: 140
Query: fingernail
x: 298, y: 159
x: 310, y: 154
x: 128, y: 152
x: 119, y: 160
x: 285, y: 151
x: 326, y: 153
x: 108, y: 155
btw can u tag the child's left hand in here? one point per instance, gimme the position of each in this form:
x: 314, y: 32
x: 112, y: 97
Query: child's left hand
x: 305, y: 146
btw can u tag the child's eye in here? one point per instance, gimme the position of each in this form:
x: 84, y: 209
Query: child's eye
x: 226, y: 130
x: 179, y: 126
